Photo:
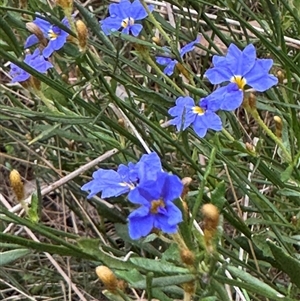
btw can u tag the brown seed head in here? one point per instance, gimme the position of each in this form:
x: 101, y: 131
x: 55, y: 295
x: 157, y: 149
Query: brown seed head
x: 280, y: 76
x: 187, y: 256
x: 156, y: 40
x: 278, y: 126
x: 65, y: 4
x: 107, y: 277
x: 210, y: 216
x: 82, y: 35
x: 16, y: 184
x: 252, y: 101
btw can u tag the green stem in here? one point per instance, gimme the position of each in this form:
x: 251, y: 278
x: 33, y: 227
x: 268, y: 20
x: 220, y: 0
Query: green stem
x: 203, y: 183
x: 277, y: 140
x: 179, y: 240
x: 48, y: 103
x: 156, y: 23
x: 227, y: 135
x: 147, y: 58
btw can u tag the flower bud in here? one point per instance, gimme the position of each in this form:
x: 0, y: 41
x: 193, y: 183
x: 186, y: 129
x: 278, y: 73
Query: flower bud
x: 186, y: 183
x: 211, y: 217
x: 156, y: 40
x: 35, y: 83
x: 252, y: 101
x: 187, y: 256
x: 280, y: 76
x: 34, y: 29
x: 65, y: 4
x: 82, y: 35
x: 278, y: 126
x: 107, y: 277
x: 183, y: 70
x: 121, y: 122
x: 250, y: 147
x: 16, y: 184
x: 189, y: 287
x: 294, y: 220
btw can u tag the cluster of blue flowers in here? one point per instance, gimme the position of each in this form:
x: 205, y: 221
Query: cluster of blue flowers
x: 147, y: 185
x: 38, y: 60
x: 238, y: 69
x: 123, y: 16
x: 145, y: 182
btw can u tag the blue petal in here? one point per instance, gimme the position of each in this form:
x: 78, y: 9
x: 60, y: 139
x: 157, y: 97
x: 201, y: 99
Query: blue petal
x: 40, y: 64
x: 218, y: 74
x: 144, y: 194
x: 148, y: 167
x: 209, y: 120
x: 126, y: 30
x: 233, y: 51
x: 183, y: 118
x: 218, y: 60
x: 168, y: 222
x: 140, y: 222
x: 31, y: 40
x: 232, y: 97
x: 18, y: 74
x: 137, y: 10
x: 37, y: 61
x: 226, y: 98
x: 189, y: 47
x: 265, y: 64
x: 259, y: 78
x: 33, y: 56
x: 107, y: 181
x: 120, y: 10
x: 246, y: 61
x: 169, y: 186
x: 111, y: 24
x: 48, y: 50
x: 43, y: 25
x: 214, y: 100
x: 65, y: 22
x: 136, y: 29
x: 169, y: 70
x: 58, y: 42
x: 174, y: 213
x: 163, y: 60
x: 125, y: 173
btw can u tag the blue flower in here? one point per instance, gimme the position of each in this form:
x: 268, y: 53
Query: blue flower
x: 242, y: 68
x: 126, y: 178
x: 157, y: 209
x: 35, y: 60
x: 171, y: 63
x: 56, y: 36
x: 202, y: 117
x: 123, y: 15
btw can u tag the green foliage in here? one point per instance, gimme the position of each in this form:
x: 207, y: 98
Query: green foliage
x: 113, y: 100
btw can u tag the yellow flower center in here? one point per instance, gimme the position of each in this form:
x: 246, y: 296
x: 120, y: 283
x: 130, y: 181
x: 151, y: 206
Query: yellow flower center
x: 156, y: 204
x: 127, y: 22
x: 239, y: 80
x: 52, y: 35
x: 198, y: 110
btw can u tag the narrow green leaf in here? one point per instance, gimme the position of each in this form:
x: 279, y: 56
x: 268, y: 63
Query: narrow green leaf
x: 158, y: 266
x: 166, y: 282
x: 33, y: 211
x: 12, y: 255
x: 289, y: 265
x: 254, y: 284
